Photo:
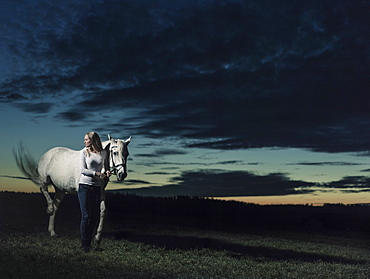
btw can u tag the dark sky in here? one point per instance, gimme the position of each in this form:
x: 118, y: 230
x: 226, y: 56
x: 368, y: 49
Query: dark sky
x: 216, y: 76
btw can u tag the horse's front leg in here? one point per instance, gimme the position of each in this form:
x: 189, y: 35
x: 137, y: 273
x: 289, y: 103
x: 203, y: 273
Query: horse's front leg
x: 58, y: 198
x: 103, y: 215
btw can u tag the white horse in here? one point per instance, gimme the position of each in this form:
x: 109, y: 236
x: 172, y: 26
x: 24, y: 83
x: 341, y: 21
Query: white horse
x: 60, y: 167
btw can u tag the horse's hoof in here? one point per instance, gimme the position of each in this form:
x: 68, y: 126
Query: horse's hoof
x: 54, y: 235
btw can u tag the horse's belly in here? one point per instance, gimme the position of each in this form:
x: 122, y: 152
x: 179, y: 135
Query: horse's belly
x: 61, y: 166
x: 67, y: 177
x: 68, y: 184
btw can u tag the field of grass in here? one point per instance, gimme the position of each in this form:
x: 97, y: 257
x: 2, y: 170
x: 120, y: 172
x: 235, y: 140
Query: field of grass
x: 136, y: 247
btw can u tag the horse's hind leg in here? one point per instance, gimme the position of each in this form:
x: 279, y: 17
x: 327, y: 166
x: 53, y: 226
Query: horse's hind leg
x: 49, y: 201
x: 58, y: 198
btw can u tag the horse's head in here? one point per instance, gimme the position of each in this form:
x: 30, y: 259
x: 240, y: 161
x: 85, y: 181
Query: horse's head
x: 118, y: 154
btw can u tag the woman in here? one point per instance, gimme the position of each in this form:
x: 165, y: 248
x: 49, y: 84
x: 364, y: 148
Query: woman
x: 94, y: 169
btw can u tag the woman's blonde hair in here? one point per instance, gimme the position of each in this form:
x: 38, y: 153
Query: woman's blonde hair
x: 95, y: 142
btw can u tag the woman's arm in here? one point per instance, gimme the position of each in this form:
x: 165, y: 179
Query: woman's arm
x: 106, y: 163
x: 83, y: 164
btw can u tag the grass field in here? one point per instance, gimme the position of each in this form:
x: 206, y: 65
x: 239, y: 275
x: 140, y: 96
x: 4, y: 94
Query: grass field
x: 136, y: 248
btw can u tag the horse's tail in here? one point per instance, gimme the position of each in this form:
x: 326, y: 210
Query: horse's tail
x: 26, y: 163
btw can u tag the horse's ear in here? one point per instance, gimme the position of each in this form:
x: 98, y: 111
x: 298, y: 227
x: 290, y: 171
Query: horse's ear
x: 109, y: 137
x: 128, y: 140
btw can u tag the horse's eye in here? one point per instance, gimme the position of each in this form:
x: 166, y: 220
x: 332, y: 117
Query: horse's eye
x: 115, y: 153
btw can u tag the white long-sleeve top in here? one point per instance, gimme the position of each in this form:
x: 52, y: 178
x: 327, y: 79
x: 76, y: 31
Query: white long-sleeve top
x: 90, y: 164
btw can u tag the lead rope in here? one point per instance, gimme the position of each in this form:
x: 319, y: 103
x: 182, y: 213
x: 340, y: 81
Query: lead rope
x: 113, y: 168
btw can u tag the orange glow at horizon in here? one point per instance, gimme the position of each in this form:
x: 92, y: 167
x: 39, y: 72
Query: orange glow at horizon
x: 18, y: 185
x: 316, y: 198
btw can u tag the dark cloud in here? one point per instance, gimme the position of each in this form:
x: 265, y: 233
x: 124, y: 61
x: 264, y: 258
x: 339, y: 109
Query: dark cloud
x: 351, y: 183
x: 346, y: 185
x: 15, y: 177
x: 326, y: 164
x: 217, y: 183
x: 151, y: 163
x: 131, y: 182
x: 170, y: 168
x: 36, y: 107
x: 163, y: 152
x: 72, y: 116
x: 231, y: 162
x: 159, y: 173
x: 11, y: 97
x: 231, y: 74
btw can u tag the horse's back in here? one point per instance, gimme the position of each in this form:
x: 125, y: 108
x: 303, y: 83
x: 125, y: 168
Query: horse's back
x: 60, y: 165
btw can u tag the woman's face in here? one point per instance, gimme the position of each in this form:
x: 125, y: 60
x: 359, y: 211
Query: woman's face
x: 87, y: 141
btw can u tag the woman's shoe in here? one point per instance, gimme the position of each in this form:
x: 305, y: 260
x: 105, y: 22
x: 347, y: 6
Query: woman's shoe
x: 86, y: 249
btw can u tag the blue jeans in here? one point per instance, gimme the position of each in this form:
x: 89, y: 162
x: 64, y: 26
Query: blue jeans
x: 89, y: 198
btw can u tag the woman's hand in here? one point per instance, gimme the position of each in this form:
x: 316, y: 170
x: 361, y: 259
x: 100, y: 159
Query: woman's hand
x: 101, y: 175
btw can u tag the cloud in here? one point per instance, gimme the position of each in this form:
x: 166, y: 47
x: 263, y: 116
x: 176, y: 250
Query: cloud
x: 185, y: 163
x: 14, y: 177
x: 326, y: 164
x: 346, y: 185
x: 230, y: 74
x: 231, y: 162
x: 163, y: 152
x: 36, y: 107
x: 354, y: 183
x: 72, y: 116
x: 217, y: 183
x: 131, y: 182
x: 159, y: 173
x: 11, y: 97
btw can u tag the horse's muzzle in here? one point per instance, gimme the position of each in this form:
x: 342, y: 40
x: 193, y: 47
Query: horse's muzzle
x: 121, y: 176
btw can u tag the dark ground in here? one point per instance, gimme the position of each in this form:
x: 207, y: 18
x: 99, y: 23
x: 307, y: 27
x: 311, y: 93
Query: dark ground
x: 125, y: 211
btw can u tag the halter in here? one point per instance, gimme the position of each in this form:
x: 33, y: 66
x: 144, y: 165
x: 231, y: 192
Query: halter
x: 115, y: 166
